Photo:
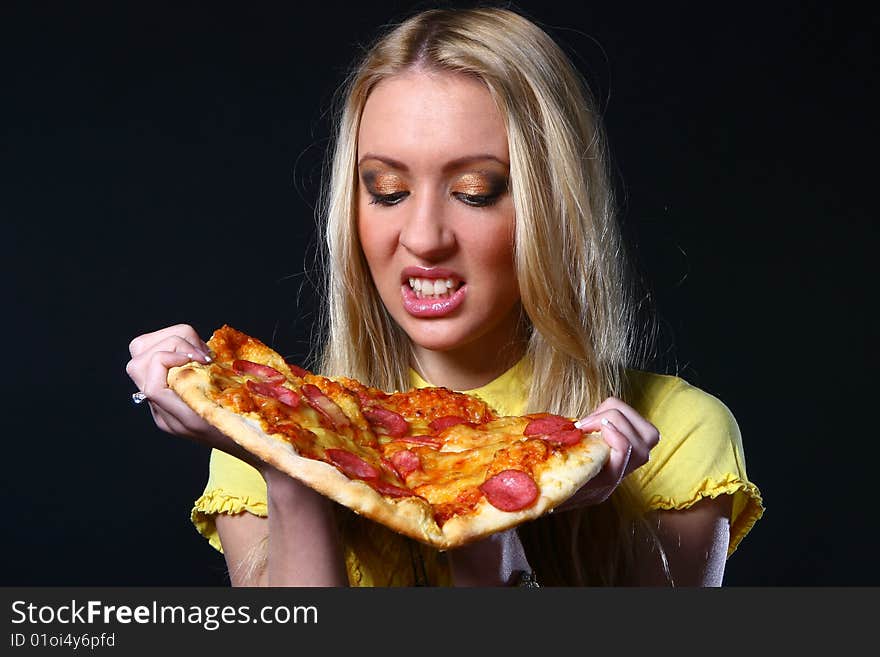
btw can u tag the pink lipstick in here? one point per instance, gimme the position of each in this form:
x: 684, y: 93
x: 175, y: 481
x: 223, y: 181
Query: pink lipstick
x: 429, y: 292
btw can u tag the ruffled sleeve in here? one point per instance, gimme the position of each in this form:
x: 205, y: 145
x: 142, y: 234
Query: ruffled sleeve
x: 374, y: 556
x: 700, y: 454
x: 233, y: 486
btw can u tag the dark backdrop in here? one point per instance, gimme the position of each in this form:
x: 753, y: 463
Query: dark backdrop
x: 138, y: 138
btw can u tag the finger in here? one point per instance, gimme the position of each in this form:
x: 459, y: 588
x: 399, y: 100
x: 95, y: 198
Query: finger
x: 648, y: 433
x: 138, y: 366
x: 646, y: 430
x: 177, y: 416
x: 164, y: 402
x: 179, y: 423
x: 158, y: 364
x: 619, y: 461
x: 621, y: 424
x: 596, y: 421
x: 173, y: 415
x: 148, y: 341
x: 165, y: 421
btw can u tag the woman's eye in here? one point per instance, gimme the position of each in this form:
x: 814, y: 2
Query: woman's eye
x: 477, y: 200
x: 388, y: 199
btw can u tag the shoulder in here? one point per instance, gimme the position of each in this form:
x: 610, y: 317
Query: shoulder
x: 671, y: 401
x: 699, y: 433
x: 700, y: 454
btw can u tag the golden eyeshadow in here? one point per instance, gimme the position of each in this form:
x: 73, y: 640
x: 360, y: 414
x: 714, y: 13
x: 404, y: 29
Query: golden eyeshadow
x: 383, y: 183
x: 477, y: 184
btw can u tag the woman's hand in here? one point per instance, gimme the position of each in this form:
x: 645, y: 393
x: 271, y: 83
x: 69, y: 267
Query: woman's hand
x: 152, y: 355
x: 631, y: 439
x: 299, y: 539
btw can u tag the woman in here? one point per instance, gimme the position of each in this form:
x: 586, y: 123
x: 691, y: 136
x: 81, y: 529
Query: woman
x: 472, y: 244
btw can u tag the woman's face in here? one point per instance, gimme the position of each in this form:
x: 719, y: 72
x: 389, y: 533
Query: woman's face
x: 435, y: 214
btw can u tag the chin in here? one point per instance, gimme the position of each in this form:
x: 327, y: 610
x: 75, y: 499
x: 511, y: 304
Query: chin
x: 434, y: 334
x: 435, y: 340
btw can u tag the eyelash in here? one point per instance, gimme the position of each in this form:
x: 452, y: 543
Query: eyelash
x: 388, y: 199
x: 473, y: 200
x: 477, y: 200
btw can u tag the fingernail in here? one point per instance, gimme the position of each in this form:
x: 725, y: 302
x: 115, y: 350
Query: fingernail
x: 584, y: 421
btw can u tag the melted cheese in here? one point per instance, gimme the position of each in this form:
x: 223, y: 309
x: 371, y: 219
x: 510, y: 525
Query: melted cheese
x: 448, y: 477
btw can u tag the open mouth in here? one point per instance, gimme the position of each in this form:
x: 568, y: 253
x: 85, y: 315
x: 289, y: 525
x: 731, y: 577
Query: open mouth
x: 434, y: 288
x: 432, y: 297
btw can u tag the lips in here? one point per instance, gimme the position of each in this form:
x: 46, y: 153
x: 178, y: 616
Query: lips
x: 429, y: 292
x: 427, y: 307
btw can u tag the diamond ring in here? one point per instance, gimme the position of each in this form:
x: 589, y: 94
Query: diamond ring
x: 138, y: 397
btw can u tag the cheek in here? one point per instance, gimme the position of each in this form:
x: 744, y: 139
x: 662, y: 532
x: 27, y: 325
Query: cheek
x: 494, y: 248
x: 377, y: 237
x: 497, y: 255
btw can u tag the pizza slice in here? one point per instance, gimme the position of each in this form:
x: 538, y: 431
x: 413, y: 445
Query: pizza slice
x: 433, y: 464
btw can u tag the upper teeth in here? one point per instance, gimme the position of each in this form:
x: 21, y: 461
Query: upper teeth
x: 431, y: 286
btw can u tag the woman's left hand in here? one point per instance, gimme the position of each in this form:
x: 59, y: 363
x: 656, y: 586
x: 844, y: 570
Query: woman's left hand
x: 631, y: 439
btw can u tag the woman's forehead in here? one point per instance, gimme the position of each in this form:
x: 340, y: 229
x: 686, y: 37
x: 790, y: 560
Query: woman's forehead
x: 422, y: 116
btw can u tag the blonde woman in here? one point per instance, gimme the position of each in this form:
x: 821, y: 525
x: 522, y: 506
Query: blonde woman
x: 471, y: 243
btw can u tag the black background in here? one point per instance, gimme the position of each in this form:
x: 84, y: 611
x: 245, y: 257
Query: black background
x: 139, y: 137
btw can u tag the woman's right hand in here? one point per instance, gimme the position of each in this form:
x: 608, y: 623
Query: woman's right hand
x: 152, y: 355
x: 301, y: 540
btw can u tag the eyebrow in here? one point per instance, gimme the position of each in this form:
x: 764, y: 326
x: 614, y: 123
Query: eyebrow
x: 452, y: 164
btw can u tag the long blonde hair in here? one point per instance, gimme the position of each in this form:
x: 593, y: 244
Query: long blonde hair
x: 568, y: 250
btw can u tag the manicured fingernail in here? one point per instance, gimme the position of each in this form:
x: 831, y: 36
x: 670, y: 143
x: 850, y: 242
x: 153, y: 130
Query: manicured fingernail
x: 584, y: 421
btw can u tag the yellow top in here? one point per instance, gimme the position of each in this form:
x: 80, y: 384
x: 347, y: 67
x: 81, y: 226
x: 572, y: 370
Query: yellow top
x: 700, y: 455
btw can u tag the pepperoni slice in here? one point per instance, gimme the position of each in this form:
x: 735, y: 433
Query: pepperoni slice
x: 297, y: 370
x: 548, y: 424
x: 393, y: 423
x: 268, y: 374
x: 325, y: 406
x: 510, y: 490
x: 388, y: 466
x: 427, y: 441
x: 405, y: 462
x: 447, y: 421
x: 567, y: 437
x: 365, y: 400
x: 276, y: 391
x: 351, y: 464
x: 390, y: 489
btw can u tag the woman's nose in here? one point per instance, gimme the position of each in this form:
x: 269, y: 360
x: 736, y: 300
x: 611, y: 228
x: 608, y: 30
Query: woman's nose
x: 426, y: 232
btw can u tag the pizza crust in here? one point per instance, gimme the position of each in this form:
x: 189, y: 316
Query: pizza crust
x: 410, y: 515
x: 558, y: 477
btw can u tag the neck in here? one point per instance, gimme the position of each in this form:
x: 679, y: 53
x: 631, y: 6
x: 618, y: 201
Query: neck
x: 475, y: 364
